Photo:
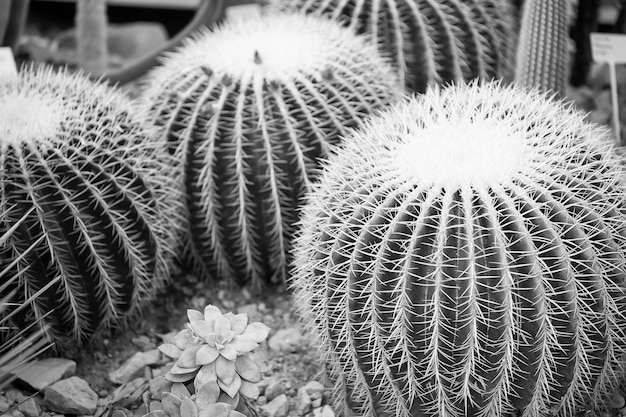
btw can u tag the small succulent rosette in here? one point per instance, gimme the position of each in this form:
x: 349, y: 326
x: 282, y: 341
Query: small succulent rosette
x: 204, y: 403
x: 214, y: 348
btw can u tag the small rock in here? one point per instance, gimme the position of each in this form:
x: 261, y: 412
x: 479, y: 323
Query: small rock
x: 14, y: 395
x: 129, y: 393
x: 303, y: 402
x: 41, y: 373
x: 29, y: 408
x: 16, y: 413
x: 134, y: 366
x: 274, y: 389
x: 325, y: 411
x: 316, y: 402
x: 4, y: 404
x: 252, y: 311
x: 71, y: 396
x: 618, y: 400
x: 278, y: 407
x: 286, y: 340
x: 261, y: 400
x: 313, y: 387
x: 143, y: 342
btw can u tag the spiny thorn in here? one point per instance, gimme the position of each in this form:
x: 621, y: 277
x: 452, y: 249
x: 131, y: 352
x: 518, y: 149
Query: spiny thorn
x: 257, y: 58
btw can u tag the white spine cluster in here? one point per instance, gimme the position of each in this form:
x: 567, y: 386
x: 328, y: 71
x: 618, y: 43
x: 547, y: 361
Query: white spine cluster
x: 446, y: 273
x: 91, y: 186
x: 249, y: 109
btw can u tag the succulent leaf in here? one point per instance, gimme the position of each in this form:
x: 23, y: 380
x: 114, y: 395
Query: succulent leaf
x: 247, y: 368
x: 225, y: 369
x: 205, y: 375
x: 206, y: 355
x: 207, y: 394
x: 257, y: 331
x: 249, y: 389
x: 170, y: 350
x: 230, y: 387
x: 188, y: 408
x: 171, y: 404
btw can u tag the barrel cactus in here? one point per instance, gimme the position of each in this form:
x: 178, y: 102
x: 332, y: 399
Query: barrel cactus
x: 249, y: 109
x: 91, y: 188
x: 431, y: 42
x: 464, y: 255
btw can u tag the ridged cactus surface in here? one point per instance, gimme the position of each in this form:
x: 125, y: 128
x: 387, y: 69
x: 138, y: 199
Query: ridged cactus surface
x: 464, y: 255
x: 542, y: 53
x: 430, y: 41
x: 92, y: 191
x: 249, y: 109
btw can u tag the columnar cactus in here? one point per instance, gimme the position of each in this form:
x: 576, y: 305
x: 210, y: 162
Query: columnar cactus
x: 249, y: 110
x: 98, y: 202
x: 430, y: 41
x: 464, y: 255
x: 542, y: 53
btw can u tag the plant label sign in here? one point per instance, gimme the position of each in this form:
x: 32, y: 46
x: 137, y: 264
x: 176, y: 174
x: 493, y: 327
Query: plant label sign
x: 7, y: 63
x: 610, y: 48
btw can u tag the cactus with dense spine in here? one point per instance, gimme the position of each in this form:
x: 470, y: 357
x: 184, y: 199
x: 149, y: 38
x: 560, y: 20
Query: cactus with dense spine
x: 94, y: 188
x: 430, y: 41
x: 465, y: 255
x: 249, y: 109
x: 541, y: 60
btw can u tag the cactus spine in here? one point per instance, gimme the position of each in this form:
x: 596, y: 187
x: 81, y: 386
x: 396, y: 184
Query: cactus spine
x: 95, y: 192
x: 249, y: 110
x: 464, y: 255
x: 429, y: 41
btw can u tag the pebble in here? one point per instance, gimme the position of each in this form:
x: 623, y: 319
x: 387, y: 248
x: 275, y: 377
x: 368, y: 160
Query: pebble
x: 278, y: 407
x: 274, y: 389
x: 30, y: 408
x: 285, y: 340
x: 41, y: 373
x: 251, y: 311
x: 618, y: 400
x: 4, y: 404
x: 134, y: 366
x: 314, y: 388
x: 325, y: 411
x: 144, y: 343
x: 71, y: 396
x: 303, y: 402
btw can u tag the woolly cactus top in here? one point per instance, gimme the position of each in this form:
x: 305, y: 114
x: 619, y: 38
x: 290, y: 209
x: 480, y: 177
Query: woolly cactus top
x: 46, y: 106
x: 469, y: 137
x: 273, y: 47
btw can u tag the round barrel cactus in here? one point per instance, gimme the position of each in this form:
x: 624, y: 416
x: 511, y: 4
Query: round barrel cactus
x: 430, y: 42
x: 86, y: 203
x: 464, y: 255
x: 249, y: 110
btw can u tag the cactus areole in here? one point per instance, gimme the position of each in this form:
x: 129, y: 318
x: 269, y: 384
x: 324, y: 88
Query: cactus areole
x: 464, y: 255
x: 249, y: 109
x: 84, y: 172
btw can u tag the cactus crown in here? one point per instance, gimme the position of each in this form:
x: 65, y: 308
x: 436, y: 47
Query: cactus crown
x: 437, y: 291
x: 277, y: 47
